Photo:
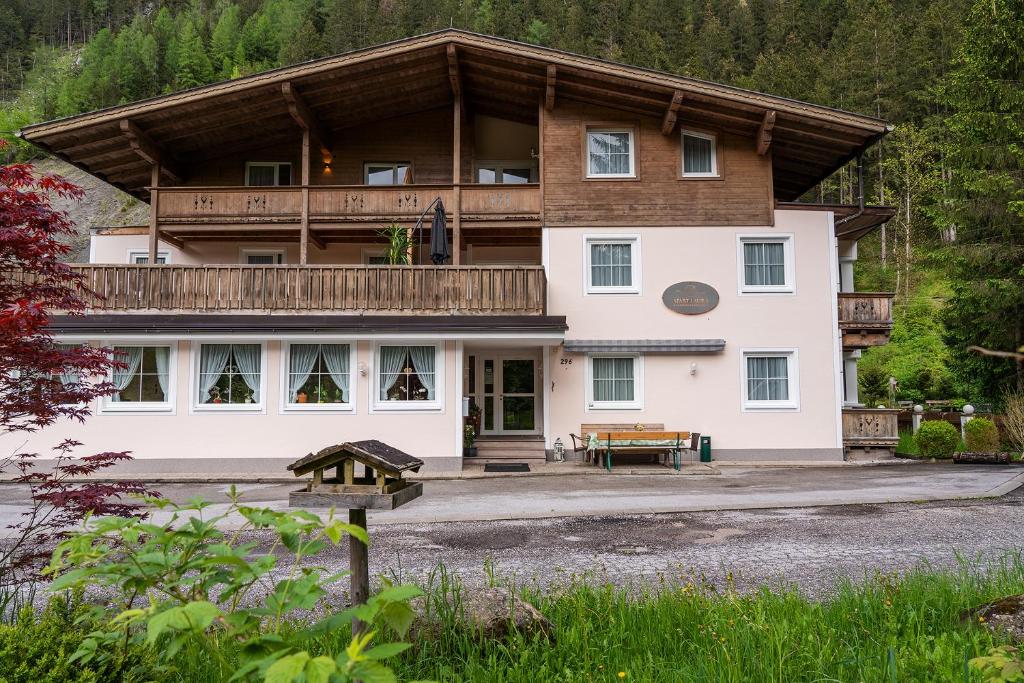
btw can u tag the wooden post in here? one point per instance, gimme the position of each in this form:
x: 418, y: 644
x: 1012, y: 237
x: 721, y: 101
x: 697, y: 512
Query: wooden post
x: 304, y: 221
x: 456, y: 181
x: 359, y: 565
x: 154, y: 201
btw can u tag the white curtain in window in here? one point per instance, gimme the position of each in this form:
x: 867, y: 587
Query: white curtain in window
x: 697, y: 153
x: 613, y: 379
x: 131, y: 356
x: 336, y: 359
x: 391, y: 360
x: 247, y: 358
x: 609, y: 153
x: 764, y: 263
x: 303, y: 358
x: 611, y: 265
x: 68, y: 377
x: 423, y: 363
x: 767, y: 378
x: 212, y: 360
x: 162, y: 355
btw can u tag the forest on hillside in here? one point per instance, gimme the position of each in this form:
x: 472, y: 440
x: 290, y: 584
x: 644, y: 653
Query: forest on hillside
x: 946, y: 73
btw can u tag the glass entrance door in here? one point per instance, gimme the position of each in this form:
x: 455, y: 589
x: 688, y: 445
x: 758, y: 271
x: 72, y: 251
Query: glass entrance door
x: 508, y: 396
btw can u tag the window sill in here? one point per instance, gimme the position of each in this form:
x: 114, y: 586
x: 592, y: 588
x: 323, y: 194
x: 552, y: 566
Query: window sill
x: 768, y: 290
x: 772, y: 406
x: 298, y: 408
x: 600, y: 291
x: 144, y: 408
x: 614, y: 406
x: 701, y: 177
x: 229, y: 408
x: 408, y: 407
x: 611, y: 177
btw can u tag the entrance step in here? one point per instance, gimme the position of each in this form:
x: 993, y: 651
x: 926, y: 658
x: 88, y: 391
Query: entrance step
x: 506, y: 448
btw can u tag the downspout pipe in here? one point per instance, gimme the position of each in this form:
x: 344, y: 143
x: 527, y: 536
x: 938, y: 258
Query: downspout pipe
x: 860, y: 193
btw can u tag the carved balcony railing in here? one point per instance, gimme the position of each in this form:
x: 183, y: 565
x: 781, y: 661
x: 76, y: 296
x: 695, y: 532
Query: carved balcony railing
x: 342, y: 203
x: 865, y: 319
x: 414, y: 290
x: 870, y: 427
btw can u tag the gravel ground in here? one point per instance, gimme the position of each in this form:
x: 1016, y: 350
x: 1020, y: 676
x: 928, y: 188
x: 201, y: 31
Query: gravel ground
x: 812, y: 548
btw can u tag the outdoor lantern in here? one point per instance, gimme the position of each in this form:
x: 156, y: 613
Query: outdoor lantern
x: 559, y: 450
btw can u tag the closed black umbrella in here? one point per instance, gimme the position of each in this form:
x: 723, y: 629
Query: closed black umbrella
x: 439, y: 250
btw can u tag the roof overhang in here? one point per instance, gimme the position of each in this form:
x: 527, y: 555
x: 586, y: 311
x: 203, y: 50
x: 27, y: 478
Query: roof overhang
x: 851, y: 221
x: 499, y: 77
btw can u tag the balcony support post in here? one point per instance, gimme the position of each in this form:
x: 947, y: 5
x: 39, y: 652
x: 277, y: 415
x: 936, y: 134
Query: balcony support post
x: 457, y: 179
x: 304, y: 220
x: 154, y: 201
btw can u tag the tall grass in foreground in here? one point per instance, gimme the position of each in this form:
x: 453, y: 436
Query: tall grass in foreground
x: 886, y: 629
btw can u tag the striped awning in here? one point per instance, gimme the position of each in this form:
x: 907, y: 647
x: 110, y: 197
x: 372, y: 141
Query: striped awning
x: 644, y: 345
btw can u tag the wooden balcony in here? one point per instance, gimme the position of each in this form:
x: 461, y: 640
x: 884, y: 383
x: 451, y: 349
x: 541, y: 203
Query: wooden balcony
x: 865, y: 319
x: 343, y: 205
x: 413, y: 290
x: 868, y: 428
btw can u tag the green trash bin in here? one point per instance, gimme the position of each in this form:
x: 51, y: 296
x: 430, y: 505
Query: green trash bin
x: 705, y: 449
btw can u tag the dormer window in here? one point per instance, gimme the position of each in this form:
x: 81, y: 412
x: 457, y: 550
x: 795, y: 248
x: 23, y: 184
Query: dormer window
x: 699, y: 155
x: 268, y: 173
x: 610, y: 153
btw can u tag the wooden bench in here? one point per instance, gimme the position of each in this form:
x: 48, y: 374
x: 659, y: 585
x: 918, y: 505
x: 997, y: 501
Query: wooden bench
x: 659, y: 442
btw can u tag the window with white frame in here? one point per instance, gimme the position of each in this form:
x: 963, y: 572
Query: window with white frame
x: 766, y: 263
x: 268, y: 173
x: 386, y: 173
x: 506, y: 173
x: 770, y: 379
x: 610, y: 153
x: 615, y: 382
x: 408, y: 375
x: 229, y: 375
x: 142, y: 379
x: 699, y: 156
x: 319, y: 376
x: 141, y: 256
x: 612, y: 264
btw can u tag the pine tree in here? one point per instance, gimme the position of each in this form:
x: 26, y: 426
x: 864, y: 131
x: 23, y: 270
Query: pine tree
x: 192, y: 66
x: 224, y: 40
x: 985, y: 95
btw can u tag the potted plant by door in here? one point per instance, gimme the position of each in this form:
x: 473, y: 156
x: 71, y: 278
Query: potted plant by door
x: 468, y: 437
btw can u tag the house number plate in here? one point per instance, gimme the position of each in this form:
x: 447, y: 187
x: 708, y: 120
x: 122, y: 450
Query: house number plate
x: 690, y: 298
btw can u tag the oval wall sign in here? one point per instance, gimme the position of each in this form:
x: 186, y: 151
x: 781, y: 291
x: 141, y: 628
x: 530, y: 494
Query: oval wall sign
x: 690, y: 298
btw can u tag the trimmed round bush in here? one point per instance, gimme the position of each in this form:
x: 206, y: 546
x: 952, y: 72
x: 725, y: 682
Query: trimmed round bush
x: 937, y: 439
x: 981, y: 435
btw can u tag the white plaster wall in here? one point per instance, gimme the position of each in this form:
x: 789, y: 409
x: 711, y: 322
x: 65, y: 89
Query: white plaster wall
x: 271, y: 433
x: 710, y: 401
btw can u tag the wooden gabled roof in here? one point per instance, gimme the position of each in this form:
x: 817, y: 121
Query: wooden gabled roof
x: 499, y: 77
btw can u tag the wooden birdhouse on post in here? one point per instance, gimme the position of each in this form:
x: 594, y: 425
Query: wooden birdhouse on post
x: 380, y: 487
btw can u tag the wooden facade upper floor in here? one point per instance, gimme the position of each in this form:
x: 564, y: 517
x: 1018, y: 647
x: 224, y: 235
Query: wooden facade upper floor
x: 298, y: 153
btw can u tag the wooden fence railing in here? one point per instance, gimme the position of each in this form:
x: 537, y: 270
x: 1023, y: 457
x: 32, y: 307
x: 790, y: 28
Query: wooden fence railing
x: 422, y: 290
x: 875, y: 427
x: 865, y: 318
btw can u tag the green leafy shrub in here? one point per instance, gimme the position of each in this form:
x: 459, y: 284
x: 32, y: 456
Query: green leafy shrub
x: 187, y: 587
x: 937, y: 439
x: 38, y: 647
x: 981, y: 435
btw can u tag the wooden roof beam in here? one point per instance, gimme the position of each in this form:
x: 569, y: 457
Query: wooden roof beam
x: 668, y: 121
x: 454, y: 77
x: 549, y: 91
x: 304, y: 117
x: 764, y: 133
x: 148, y: 150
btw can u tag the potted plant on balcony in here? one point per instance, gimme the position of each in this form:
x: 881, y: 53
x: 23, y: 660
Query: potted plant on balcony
x: 399, y: 244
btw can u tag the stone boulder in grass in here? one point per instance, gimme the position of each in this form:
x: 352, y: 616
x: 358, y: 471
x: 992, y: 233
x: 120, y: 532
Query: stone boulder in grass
x: 1005, y: 615
x: 488, y: 613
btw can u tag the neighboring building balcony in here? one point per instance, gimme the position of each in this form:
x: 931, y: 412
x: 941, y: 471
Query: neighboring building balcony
x: 354, y: 289
x: 865, y: 319
x: 190, y: 211
x: 870, y: 428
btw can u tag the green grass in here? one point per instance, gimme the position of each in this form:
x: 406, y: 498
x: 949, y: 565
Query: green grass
x: 887, y: 628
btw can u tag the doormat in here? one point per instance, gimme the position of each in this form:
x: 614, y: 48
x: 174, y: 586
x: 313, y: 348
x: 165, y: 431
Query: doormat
x: 506, y: 467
